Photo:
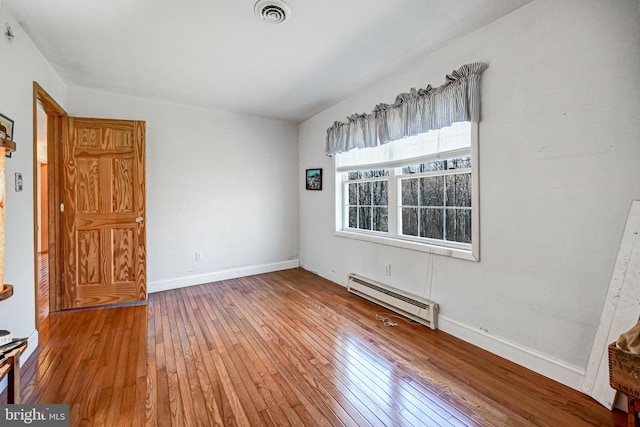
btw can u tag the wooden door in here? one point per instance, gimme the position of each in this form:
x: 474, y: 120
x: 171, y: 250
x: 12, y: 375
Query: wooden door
x: 103, y: 177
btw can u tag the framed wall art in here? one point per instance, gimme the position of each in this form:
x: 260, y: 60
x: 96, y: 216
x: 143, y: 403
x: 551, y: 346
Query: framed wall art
x: 6, y: 127
x: 6, y: 130
x: 314, y: 179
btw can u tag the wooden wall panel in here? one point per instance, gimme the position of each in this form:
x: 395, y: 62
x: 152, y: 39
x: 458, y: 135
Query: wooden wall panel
x: 87, y: 137
x: 122, y: 259
x: 89, y: 257
x: 88, y: 185
x: 114, y: 139
x: 122, y: 187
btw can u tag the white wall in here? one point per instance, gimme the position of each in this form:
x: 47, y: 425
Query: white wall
x: 220, y: 183
x: 559, y: 150
x: 22, y: 64
x: 217, y: 182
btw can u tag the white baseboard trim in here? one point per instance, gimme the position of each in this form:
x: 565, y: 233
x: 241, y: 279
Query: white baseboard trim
x: 31, y: 347
x: 233, y: 273
x: 543, y: 364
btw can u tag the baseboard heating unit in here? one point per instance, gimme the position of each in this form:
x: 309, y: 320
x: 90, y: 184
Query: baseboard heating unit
x: 419, y: 309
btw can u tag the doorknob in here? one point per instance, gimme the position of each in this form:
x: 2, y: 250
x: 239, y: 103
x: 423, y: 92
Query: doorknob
x: 139, y: 220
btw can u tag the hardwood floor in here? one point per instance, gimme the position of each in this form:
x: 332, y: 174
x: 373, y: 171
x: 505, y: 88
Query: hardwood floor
x: 284, y: 348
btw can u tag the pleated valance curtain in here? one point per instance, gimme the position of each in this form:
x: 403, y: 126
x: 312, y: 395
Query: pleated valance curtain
x: 419, y: 111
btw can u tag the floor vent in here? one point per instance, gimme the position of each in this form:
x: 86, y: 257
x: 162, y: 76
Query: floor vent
x: 419, y: 309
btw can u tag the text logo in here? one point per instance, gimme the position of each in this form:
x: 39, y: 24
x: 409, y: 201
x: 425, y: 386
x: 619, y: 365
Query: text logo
x: 34, y: 415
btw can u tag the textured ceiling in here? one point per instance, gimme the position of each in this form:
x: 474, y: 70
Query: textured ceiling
x: 218, y: 54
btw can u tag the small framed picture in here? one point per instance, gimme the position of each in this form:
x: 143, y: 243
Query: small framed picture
x: 314, y: 179
x: 6, y: 127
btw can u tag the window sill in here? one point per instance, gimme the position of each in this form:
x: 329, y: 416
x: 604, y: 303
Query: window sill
x: 414, y: 246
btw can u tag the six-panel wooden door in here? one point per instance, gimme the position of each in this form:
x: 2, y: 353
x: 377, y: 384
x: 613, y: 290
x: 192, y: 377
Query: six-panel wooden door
x: 103, y: 177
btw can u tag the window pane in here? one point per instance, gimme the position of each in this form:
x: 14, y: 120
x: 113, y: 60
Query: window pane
x: 364, y: 193
x: 410, y: 221
x: 381, y: 219
x: 437, y: 165
x: 353, y: 217
x: 431, y: 223
x: 378, y: 173
x: 463, y: 162
x: 413, y: 169
x: 353, y: 194
x: 459, y: 190
x: 364, y: 221
x: 380, y: 193
x: 432, y: 189
x: 410, y: 192
x: 459, y: 225
x: 375, y: 173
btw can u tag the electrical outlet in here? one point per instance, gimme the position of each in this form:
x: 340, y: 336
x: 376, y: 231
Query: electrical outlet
x: 387, y: 269
x: 199, y: 255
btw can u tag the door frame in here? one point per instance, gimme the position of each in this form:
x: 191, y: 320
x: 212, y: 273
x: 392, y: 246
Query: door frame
x: 54, y: 134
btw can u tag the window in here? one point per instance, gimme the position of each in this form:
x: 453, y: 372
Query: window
x: 436, y: 200
x: 418, y: 192
x: 368, y: 204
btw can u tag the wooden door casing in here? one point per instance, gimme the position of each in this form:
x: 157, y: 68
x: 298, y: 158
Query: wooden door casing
x: 104, y: 211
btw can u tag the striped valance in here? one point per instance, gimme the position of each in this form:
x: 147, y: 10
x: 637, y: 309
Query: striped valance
x: 419, y: 111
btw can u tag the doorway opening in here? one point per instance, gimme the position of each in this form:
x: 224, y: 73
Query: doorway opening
x: 42, y: 215
x: 104, y: 233
x: 47, y: 129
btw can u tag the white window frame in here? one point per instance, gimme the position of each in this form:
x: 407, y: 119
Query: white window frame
x: 345, y: 201
x: 464, y: 251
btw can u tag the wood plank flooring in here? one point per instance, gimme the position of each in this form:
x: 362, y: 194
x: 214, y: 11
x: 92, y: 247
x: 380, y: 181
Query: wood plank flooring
x: 278, y: 349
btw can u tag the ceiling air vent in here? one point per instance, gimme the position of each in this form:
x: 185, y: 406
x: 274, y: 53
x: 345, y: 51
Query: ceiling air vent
x: 272, y: 11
